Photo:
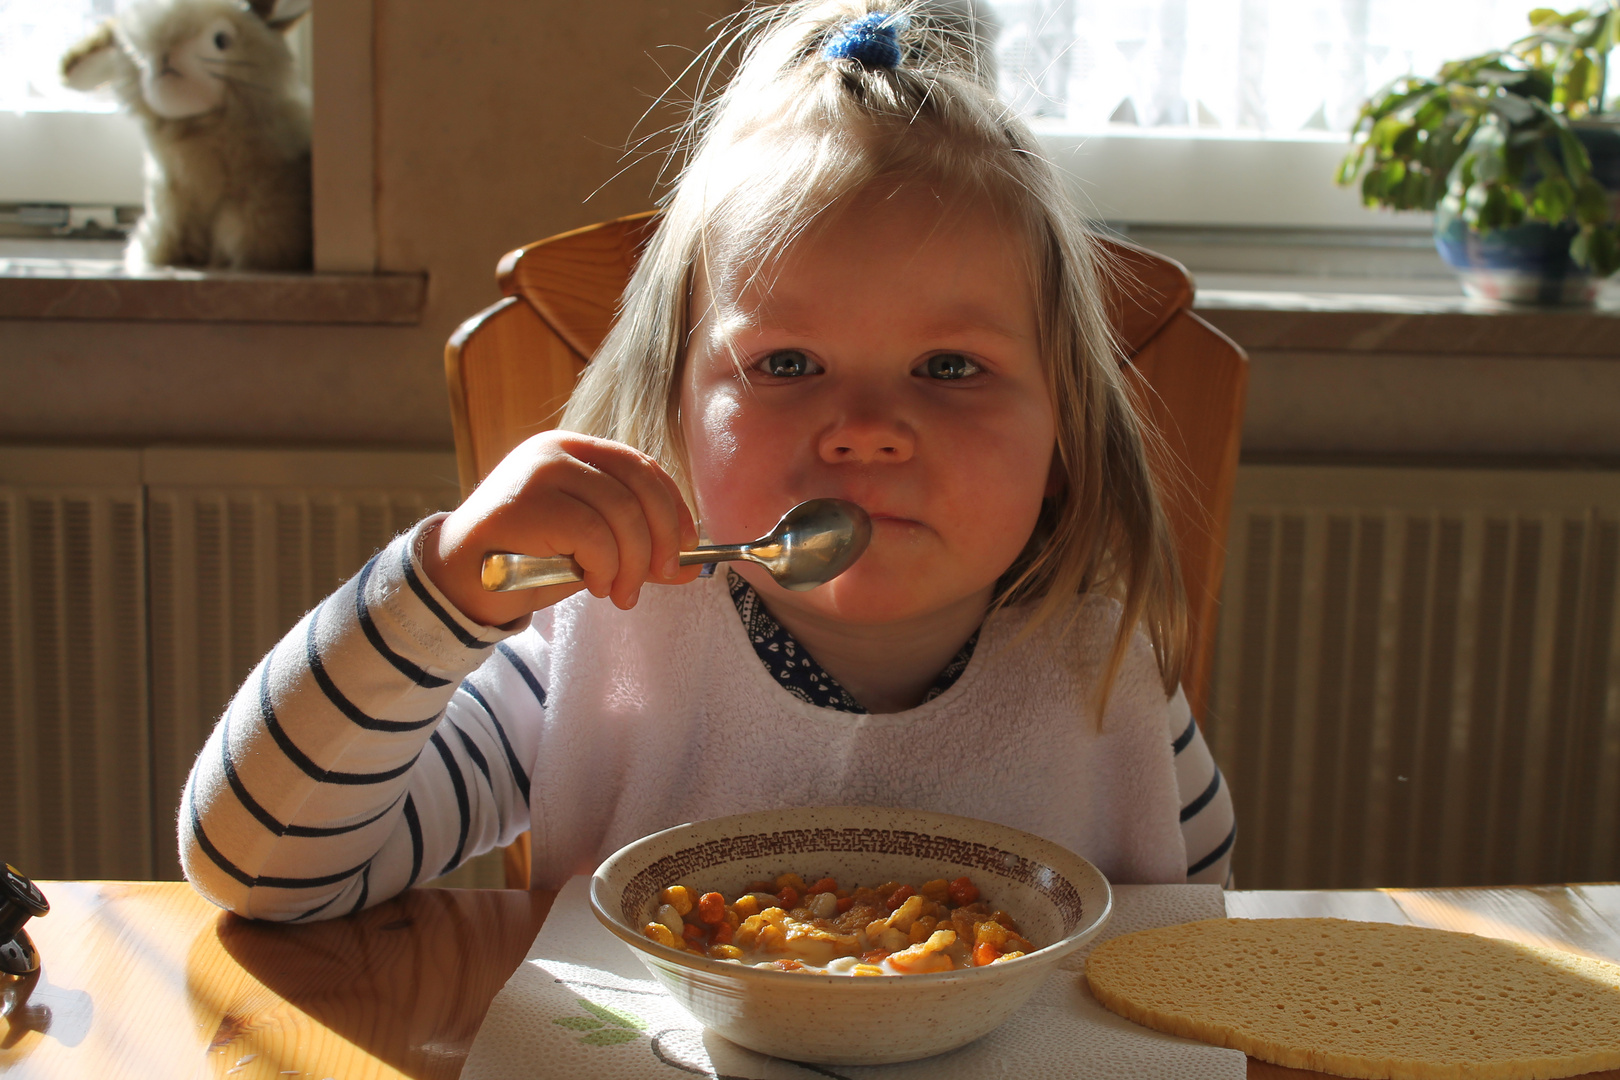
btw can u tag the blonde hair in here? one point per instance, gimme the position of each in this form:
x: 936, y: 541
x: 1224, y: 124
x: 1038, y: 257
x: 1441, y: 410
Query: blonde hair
x: 793, y: 135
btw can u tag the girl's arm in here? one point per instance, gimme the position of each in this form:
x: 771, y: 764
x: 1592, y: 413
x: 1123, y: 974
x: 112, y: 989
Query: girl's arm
x: 359, y: 758
x: 354, y: 762
x: 1207, y: 822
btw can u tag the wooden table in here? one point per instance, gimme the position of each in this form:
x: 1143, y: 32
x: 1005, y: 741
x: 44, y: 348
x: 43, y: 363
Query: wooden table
x: 146, y: 979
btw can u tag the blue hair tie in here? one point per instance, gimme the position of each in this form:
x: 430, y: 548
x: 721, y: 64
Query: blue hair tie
x: 873, y: 41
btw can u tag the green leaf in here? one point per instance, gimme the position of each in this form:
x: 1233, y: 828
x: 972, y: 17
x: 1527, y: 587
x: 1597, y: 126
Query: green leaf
x: 1386, y: 131
x: 1553, y: 199
x: 609, y: 1038
x: 1345, y: 174
x: 578, y: 1023
x: 1580, y: 83
x: 1591, y: 203
x: 1604, y: 252
x: 614, y: 1016
x: 1577, y: 164
x: 1542, y: 16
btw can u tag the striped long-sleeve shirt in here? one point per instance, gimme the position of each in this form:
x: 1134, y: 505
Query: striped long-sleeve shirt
x: 387, y: 738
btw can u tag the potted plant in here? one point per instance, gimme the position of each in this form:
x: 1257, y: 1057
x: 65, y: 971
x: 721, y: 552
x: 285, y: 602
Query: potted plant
x: 1514, y: 154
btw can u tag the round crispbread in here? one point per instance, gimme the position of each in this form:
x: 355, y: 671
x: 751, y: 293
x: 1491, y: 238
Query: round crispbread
x: 1368, y: 999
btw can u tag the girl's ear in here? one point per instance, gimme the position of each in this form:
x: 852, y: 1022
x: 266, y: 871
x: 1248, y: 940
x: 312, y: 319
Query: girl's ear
x: 92, y: 62
x: 279, y: 14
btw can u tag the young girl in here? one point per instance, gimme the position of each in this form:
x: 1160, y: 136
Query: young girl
x: 867, y: 284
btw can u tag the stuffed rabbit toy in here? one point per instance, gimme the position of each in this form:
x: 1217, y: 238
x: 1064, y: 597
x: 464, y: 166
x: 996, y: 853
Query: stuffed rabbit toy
x: 226, y: 124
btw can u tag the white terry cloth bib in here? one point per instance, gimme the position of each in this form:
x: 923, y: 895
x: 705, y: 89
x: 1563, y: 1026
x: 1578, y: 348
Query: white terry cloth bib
x: 664, y: 714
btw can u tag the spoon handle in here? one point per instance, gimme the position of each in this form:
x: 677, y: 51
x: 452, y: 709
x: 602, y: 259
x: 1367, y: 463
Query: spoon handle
x: 506, y: 572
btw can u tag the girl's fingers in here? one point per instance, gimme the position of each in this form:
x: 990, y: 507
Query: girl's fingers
x: 595, y: 543
x: 612, y: 508
x: 666, y: 523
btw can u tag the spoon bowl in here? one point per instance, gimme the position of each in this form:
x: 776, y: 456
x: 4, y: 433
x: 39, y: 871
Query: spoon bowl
x: 812, y: 544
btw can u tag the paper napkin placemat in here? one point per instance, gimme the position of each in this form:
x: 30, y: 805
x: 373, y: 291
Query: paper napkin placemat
x: 582, y: 1005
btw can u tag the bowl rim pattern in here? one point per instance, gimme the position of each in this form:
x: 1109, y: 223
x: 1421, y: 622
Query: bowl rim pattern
x: 911, y: 833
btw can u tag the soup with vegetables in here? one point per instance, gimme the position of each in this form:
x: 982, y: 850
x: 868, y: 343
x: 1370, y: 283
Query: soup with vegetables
x: 821, y: 928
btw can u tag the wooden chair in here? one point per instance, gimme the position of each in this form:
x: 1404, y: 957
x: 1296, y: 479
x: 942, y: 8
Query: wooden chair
x: 512, y: 366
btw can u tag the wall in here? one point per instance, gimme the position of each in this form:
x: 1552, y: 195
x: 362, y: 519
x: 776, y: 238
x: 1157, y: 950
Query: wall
x: 497, y: 123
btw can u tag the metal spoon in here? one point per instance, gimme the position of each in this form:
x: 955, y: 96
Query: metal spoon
x: 812, y: 544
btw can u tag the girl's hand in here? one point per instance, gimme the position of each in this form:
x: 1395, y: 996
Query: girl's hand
x: 560, y: 493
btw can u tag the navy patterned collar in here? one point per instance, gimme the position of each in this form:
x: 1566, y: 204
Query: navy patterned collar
x: 791, y: 664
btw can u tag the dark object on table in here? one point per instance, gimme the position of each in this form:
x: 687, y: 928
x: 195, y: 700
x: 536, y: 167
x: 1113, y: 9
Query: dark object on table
x: 20, y: 900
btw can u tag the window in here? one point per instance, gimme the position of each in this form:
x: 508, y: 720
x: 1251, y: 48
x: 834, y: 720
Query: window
x: 59, y: 146
x: 1223, y: 112
x: 62, y: 147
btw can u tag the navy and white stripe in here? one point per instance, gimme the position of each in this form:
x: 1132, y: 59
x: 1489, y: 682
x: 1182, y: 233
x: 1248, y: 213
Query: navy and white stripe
x: 1207, y: 822
x: 313, y: 797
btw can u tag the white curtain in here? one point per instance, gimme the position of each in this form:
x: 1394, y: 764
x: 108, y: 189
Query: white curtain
x: 1280, y: 67
x: 34, y: 34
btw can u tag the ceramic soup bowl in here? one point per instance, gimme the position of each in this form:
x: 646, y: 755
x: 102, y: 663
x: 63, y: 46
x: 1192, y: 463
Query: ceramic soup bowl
x: 1058, y: 899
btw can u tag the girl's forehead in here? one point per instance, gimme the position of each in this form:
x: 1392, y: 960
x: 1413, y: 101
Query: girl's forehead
x: 906, y: 265
x: 913, y: 229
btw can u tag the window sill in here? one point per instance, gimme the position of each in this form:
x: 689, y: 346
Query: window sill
x: 81, y: 280
x: 1400, y: 315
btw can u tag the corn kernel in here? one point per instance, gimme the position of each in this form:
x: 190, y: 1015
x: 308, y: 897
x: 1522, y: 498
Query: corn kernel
x: 746, y: 905
x: 725, y: 952
x: 793, y: 881
x: 991, y: 933
x: 867, y: 969
x: 678, y: 897
x: 936, y: 890
x: 660, y: 933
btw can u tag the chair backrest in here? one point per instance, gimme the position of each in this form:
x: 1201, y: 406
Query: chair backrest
x: 512, y: 366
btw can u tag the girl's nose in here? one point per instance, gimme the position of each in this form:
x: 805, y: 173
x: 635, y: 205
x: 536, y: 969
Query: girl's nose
x: 860, y: 440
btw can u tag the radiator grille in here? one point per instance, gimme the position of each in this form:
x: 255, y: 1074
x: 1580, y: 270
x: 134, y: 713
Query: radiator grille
x: 1417, y: 681
x: 75, y: 791
x: 137, y: 590
x: 231, y: 571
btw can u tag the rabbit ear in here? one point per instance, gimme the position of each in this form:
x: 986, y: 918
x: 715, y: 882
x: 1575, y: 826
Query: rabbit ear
x: 279, y: 14
x: 93, y: 61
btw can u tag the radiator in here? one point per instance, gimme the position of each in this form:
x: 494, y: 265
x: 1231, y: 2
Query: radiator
x: 200, y: 561
x: 75, y: 790
x: 1418, y: 676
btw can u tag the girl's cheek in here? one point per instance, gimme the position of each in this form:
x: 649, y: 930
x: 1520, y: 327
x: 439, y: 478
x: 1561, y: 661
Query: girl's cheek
x: 715, y: 438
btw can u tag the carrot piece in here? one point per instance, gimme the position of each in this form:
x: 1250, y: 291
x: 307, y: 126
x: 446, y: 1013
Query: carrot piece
x: 963, y: 891
x: 724, y: 934
x: 692, y: 932
x: 845, y: 903
x: 985, y: 953
x: 711, y: 908
x: 899, y: 896
x: 826, y: 884
x: 789, y: 896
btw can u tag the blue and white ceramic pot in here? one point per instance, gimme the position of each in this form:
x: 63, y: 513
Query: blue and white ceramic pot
x: 1530, y: 263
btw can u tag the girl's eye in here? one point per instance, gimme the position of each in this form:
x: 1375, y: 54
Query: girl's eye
x: 787, y: 364
x: 948, y: 366
x: 222, y: 41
